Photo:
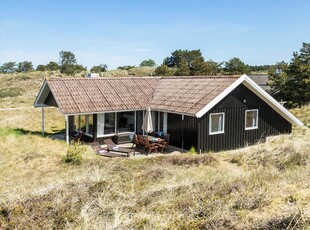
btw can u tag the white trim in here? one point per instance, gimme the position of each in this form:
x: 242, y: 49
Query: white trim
x: 106, y: 135
x: 110, y: 134
x: 210, y: 124
x: 113, y: 111
x: 158, y: 121
x: 123, y: 133
x: 253, y: 127
x: 218, y: 98
x: 165, y: 125
x: 262, y: 94
x: 35, y: 104
x: 67, y: 129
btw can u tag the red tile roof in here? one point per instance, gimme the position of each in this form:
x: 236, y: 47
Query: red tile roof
x: 87, y: 95
x: 186, y: 95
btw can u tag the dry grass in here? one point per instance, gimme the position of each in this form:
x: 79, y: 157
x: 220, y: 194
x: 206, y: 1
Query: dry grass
x: 266, y: 186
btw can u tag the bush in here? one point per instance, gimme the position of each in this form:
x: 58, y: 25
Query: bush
x: 192, y: 150
x: 74, y: 154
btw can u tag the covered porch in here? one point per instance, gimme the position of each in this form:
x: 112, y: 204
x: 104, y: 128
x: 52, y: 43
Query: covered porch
x: 116, y: 125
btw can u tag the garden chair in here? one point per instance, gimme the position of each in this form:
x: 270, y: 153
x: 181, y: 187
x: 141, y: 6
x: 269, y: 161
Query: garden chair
x: 164, y: 144
x: 148, y: 147
x: 104, y: 152
x: 135, y: 142
x: 113, y: 147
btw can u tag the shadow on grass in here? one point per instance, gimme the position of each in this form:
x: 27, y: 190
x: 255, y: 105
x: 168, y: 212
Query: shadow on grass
x: 46, y: 134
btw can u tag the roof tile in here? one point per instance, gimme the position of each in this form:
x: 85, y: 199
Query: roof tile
x: 186, y: 95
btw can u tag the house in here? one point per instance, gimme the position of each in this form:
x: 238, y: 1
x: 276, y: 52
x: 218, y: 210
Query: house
x: 208, y: 112
x: 261, y: 80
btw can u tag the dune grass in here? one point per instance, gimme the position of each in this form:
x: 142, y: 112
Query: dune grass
x: 265, y: 186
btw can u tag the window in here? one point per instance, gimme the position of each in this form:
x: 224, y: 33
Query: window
x: 86, y: 124
x: 139, y: 121
x: 126, y: 121
x: 216, y: 123
x: 109, y: 123
x: 105, y: 124
x: 155, y: 120
x: 251, y: 119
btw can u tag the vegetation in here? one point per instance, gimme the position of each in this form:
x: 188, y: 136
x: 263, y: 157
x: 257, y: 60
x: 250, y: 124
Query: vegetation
x: 51, y: 66
x: 149, y: 62
x: 236, y: 66
x: 11, y: 67
x: 187, y: 62
x: 265, y: 186
x: 75, y: 154
x: 291, y: 81
x: 99, y: 68
x: 126, y: 67
x: 68, y: 64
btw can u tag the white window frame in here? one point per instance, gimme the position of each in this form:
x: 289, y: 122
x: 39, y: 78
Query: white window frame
x: 253, y: 127
x: 110, y: 134
x: 210, y: 123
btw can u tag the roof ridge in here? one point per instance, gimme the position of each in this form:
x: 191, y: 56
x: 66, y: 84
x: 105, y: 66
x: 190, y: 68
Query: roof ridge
x: 53, y: 78
x: 201, y: 77
x: 101, y: 78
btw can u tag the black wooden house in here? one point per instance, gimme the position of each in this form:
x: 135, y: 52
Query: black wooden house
x: 207, y: 112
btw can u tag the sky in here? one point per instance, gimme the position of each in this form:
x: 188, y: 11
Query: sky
x: 126, y: 32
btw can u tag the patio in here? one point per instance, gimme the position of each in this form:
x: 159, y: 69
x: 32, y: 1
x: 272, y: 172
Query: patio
x: 172, y: 150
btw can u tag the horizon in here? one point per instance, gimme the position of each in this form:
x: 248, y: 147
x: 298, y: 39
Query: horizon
x: 119, y: 33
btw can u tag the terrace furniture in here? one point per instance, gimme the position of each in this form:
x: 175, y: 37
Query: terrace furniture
x: 136, y: 143
x: 113, y: 147
x: 76, y: 136
x: 140, y: 140
x: 163, y: 145
x: 104, y: 152
x: 148, y: 147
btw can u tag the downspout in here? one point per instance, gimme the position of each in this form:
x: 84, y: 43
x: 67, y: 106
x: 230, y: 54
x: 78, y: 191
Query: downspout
x: 67, y: 129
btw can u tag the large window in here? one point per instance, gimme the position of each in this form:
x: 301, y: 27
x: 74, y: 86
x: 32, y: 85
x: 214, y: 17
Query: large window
x: 251, y: 119
x: 155, y: 120
x: 84, y: 123
x: 216, y: 124
x: 105, y: 124
x: 126, y: 122
x: 139, y: 121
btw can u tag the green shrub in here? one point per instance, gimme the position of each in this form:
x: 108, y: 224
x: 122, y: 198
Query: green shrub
x: 74, y: 154
x: 192, y: 150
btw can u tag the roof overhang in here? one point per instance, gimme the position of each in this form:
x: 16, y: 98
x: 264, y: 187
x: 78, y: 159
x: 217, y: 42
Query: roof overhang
x: 262, y: 94
x: 42, y: 96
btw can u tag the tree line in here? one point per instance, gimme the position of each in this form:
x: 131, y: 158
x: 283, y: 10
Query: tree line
x: 181, y: 62
x: 289, y: 81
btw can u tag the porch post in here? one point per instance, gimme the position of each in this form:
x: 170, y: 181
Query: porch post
x: 67, y: 129
x: 42, y: 121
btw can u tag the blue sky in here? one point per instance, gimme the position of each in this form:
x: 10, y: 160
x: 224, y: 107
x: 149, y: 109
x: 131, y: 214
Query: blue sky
x: 123, y: 32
